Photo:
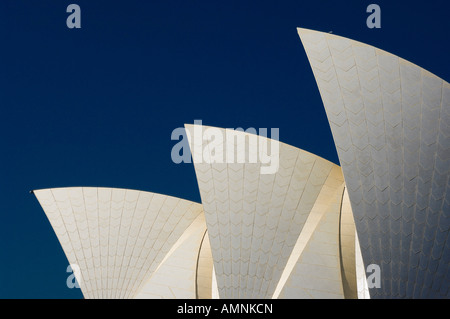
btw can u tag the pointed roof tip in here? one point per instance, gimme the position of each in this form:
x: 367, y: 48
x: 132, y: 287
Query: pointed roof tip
x: 192, y: 125
x: 307, y: 34
x: 189, y: 126
x: 300, y: 31
x: 304, y: 30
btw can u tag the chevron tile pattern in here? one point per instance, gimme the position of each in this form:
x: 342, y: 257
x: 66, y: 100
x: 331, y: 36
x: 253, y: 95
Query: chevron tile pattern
x: 390, y: 120
x: 117, y: 237
x: 253, y: 219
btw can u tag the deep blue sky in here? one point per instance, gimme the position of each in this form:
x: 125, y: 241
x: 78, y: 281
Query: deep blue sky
x: 96, y: 106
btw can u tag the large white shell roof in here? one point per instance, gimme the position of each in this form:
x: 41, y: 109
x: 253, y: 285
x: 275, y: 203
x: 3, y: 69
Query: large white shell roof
x: 390, y: 121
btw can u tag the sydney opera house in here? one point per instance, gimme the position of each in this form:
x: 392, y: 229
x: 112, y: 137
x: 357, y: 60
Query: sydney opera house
x: 375, y: 227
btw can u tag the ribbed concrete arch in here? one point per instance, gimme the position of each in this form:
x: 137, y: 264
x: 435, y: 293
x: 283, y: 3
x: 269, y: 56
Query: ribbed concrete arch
x: 348, y: 248
x: 317, y: 273
x: 204, y: 270
x: 330, y: 195
x: 390, y: 121
x: 118, y: 237
x: 254, y: 219
x: 361, y: 278
x: 176, y: 275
